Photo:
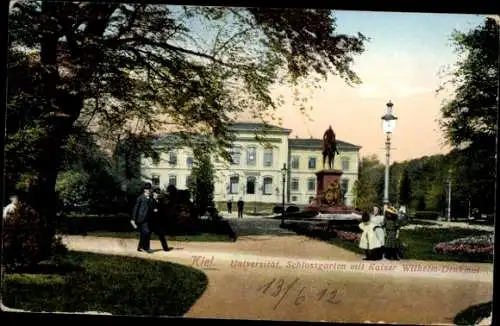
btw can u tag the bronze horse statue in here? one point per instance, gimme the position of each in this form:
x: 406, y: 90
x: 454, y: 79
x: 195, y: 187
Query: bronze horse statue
x: 329, y: 147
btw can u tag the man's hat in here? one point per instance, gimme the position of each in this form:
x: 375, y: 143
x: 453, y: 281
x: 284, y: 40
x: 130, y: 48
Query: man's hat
x: 391, y: 210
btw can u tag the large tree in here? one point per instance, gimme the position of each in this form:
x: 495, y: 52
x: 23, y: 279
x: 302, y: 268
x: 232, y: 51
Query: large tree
x: 118, y: 64
x: 469, y: 119
x: 367, y: 189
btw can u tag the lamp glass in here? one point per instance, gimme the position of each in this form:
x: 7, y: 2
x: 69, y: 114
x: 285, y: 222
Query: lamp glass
x: 388, y: 125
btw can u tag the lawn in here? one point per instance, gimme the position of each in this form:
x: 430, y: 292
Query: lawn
x: 420, y: 243
x: 202, y: 237
x: 92, y: 282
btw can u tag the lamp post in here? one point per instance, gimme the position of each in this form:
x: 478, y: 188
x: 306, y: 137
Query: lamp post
x: 388, y: 125
x: 283, y: 179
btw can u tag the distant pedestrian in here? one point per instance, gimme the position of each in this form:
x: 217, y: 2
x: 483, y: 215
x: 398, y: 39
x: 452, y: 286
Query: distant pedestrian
x: 158, y: 219
x: 142, y: 215
x: 230, y: 205
x: 240, y: 205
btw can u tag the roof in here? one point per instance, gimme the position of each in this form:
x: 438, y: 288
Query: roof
x: 314, y: 143
x: 257, y: 126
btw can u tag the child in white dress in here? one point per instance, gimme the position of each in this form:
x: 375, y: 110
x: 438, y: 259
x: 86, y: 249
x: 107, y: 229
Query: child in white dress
x: 370, y: 240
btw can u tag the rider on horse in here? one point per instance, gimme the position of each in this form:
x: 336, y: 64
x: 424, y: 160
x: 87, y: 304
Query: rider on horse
x: 329, y: 146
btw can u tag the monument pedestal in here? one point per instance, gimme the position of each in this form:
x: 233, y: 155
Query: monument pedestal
x: 324, y: 180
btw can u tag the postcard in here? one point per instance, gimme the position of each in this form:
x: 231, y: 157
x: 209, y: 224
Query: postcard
x: 250, y: 163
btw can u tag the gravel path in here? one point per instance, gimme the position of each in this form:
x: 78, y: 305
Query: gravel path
x: 238, y: 273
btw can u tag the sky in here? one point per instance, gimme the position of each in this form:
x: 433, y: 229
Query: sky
x: 401, y: 63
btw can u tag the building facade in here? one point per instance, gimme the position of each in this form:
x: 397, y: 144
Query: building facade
x: 256, y: 172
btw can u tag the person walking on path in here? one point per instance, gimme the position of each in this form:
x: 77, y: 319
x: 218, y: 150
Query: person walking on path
x: 141, y: 215
x: 230, y: 205
x: 392, y: 226
x: 240, y: 205
x: 158, y: 218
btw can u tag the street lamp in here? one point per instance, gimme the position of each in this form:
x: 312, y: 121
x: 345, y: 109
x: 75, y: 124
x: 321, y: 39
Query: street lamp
x: 283, y: 179
x: 388, y: 125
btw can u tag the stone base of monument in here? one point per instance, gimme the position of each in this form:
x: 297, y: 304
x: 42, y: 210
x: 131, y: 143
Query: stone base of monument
x: 328, y: 203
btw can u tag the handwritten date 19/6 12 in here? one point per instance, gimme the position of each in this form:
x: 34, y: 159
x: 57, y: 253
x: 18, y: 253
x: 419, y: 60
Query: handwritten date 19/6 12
x: 280, y: 288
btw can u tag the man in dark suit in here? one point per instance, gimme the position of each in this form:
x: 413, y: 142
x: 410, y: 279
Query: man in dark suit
x: 142, y: 214
x: 240, y: 205
x: 158, y: 219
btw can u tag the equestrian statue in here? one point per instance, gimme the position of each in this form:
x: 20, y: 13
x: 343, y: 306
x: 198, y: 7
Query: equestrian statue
x: 329, y: 147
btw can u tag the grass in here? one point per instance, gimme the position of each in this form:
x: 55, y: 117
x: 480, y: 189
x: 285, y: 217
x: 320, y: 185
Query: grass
x: 119, y: 285
x: 473, y: 314
x: 202, y: 237
x: 421, y: 244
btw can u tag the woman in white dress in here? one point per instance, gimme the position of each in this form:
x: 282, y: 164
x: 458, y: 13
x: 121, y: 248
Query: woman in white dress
x: 370, y: 240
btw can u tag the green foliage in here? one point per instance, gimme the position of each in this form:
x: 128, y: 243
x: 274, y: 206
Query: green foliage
x: 405, y: 188
x: 366, y: 189
x: 115, y: 284
x: 469, y: 118
x: 72, y: 188
x: 202, y: 182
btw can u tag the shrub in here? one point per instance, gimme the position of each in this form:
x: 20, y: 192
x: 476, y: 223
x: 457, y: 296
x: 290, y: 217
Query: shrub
x: 25, y: 237
x: 277, y: 210
x: 427, y: 215
x: 292, y: 209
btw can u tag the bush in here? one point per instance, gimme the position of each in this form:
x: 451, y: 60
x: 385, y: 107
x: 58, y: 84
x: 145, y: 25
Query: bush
x: 292, y: 209
x: 26, y: 239
x: 277, y: 210
x: 427, y: 215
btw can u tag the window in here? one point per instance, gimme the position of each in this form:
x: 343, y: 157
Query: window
x: 189, y: 179
x: 295, y: 162
x: 294, y: 198
x: 172, y: 180
x: 268, y: 186
x: 295, y: 184
x: 155, y: 180
x: 251, y: 185
x: 345, y: 163
x: 172, y: 158
x: 189, y: 162
x: 251, y: 156
x: 233, y: 184
x: 312, y: 163
x: 268, y: 157
x: 311, y: 184
x: 235, y: 155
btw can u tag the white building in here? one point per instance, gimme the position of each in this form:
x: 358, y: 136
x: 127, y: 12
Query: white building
x: 255, y: 175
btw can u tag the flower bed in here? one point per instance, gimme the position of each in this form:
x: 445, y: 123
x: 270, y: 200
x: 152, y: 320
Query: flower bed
x: 348, y: 236
x: 483, y: 244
